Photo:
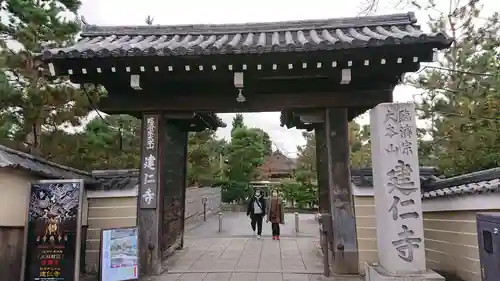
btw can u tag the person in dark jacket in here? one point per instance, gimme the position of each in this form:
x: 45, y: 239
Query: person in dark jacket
x: 256, y: 211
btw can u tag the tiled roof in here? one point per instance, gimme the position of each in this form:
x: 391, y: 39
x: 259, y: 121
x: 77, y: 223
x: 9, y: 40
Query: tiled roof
x: 11, y: 158
x: 116, y: 179
x: 329, y: 34
x: 473, y: 183
x: 364, y: 177
x: 277, y: 163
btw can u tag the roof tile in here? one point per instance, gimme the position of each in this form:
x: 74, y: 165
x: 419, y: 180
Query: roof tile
x: 121, y: 41
x: 11, y: 158
x: 467, y: 184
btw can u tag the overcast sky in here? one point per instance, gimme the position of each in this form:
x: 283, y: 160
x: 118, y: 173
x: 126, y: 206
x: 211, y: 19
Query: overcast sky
x: 164, y: 12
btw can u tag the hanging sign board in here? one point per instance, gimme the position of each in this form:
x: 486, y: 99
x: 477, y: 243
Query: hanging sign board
x: 53, y: 229
x: 118, y: 254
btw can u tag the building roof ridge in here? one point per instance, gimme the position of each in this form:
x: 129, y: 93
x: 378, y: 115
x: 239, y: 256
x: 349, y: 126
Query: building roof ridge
x: 271, y: 26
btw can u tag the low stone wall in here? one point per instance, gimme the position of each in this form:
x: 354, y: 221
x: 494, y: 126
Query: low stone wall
x: 450, y: 233
x: 364, y: 209
x: 194, y: 204
x: 233, y: 207
x: 120, y: 210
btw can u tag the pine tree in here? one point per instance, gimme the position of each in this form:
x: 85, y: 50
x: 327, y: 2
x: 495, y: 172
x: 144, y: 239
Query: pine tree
x: 461, y: 99
x: 30, y: 102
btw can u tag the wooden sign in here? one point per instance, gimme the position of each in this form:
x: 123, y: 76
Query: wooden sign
x: 149, y: 162
x: 52, y: 232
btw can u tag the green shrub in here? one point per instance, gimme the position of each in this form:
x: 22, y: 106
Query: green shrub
x: 234, y: 191
x: 303, y: 195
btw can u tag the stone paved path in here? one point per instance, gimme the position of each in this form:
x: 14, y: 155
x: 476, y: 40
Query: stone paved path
x: 236, y: 255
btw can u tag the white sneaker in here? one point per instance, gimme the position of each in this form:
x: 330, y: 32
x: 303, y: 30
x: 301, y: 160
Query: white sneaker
x: 258, y: 236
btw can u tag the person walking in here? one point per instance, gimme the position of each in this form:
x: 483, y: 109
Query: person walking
x: 256, y: 211
x: 275, y: 213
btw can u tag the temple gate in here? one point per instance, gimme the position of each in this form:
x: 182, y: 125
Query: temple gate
x: 320, y: 74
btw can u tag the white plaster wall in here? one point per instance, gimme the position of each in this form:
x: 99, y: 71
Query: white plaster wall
x: 14, y: 187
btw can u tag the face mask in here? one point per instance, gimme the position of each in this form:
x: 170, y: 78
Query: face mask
x: 257, y: 194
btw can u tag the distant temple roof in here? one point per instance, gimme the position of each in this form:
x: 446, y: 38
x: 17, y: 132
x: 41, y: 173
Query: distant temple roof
x: 277, y: 164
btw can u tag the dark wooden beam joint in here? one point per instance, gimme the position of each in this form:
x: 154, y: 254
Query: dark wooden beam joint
x: 309, y: 119
x: 193, y: 121
x: 344, y: 236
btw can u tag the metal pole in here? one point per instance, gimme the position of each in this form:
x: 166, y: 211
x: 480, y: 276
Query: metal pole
x: 204, y: 211
x: 296, y: 222
x: 204, y: 201
x: 220, y: 222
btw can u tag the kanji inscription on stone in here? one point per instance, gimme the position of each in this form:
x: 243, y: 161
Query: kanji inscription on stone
x: 396, y: 180
x: 406, y: 244
x: 397, y: 203
x: 400, y: 178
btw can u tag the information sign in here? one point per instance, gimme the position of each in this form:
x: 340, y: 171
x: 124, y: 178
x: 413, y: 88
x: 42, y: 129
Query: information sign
x: 118, y: 254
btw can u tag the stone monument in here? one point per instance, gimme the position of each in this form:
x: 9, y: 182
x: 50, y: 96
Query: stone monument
x: 398, y: 203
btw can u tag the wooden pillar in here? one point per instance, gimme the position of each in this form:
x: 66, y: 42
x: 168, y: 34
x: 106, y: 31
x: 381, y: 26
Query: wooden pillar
x: 149, y: 197
x: 173, y: 187
x: 322, y: 170
x: 184, y: 186
x: 161, y: 198
x: 334, y: 182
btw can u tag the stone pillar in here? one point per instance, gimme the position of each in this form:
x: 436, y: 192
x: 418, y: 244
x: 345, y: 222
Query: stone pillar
x: 398, y: 204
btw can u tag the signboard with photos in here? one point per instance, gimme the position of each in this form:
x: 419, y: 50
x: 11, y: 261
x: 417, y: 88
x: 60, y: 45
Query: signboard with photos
x: 52, y: 239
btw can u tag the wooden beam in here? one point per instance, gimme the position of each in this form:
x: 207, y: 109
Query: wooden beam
x: 130, y: 102
x: 224, y: 85
x: 344, y: 238
x: 251, y: 61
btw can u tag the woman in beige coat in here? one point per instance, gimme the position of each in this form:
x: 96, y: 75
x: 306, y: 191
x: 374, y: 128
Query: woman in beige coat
x: 275, y: 213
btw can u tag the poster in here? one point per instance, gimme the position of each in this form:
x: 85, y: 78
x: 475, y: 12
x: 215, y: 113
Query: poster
x: 52, y: 240
x: 119, y: 255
